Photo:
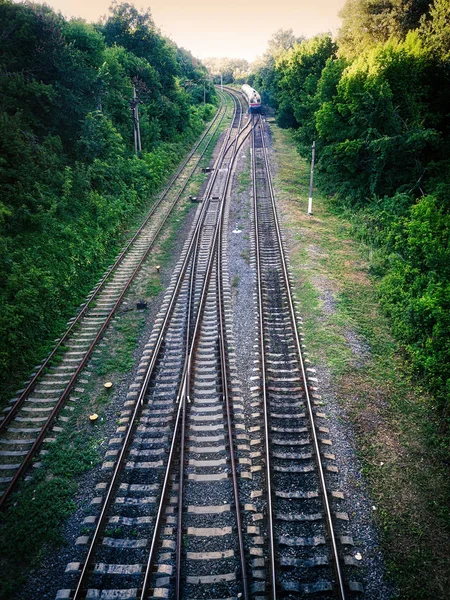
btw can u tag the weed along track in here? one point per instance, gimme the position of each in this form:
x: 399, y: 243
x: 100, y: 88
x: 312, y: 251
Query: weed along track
x: 34, y: 415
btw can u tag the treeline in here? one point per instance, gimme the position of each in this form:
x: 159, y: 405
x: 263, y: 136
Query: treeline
x: 228, y: 70
x: 376, y: 101
x: 69, y: 179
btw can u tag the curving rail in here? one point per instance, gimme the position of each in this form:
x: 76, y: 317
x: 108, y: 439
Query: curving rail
x: 191, y: 300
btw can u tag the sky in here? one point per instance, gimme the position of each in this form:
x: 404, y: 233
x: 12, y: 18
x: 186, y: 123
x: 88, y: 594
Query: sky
x: 229, y: 28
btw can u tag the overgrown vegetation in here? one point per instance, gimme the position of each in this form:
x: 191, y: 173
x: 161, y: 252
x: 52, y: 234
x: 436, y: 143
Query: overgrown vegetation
x: 376, y: 103
x: 34, y: 523
x: 69, y: 178
x: 120, y: 359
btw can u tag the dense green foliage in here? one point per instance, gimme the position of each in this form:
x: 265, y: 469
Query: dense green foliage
x: 369, y: 22
x: 264, y: 75
x: 376, y: 103
x: 69, y: 178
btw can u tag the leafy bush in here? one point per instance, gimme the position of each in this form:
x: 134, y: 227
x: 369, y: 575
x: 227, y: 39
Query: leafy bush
x: 415, y: 290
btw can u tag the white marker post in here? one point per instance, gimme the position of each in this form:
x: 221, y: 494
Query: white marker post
x: 311, y: 179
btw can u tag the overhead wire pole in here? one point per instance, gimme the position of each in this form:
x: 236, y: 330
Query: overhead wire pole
x: 311, y: 179
x: 137, y: 132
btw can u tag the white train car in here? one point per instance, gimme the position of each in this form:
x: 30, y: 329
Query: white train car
x: 252, y: 97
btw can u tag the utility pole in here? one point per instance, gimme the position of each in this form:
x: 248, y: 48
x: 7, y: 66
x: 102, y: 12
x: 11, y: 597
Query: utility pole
x: 137, y: 132
x: 204, y: 92
x: 221, y: 82
x: 311, y: 179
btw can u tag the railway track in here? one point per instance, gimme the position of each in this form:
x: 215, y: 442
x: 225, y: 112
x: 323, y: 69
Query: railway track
x: 169, y: 519
x: 203, y: 495
x: 34, y: 415
x: 307, y: 547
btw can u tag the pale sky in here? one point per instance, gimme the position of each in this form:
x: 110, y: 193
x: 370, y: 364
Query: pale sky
x: 230, y: 28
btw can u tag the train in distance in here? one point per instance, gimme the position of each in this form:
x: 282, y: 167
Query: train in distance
x: 252, y: 97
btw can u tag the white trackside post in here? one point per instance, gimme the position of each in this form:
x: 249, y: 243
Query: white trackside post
x: 311, y: 179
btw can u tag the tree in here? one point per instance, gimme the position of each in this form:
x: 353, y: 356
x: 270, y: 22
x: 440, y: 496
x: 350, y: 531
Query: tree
x: 298, y: 74
x: 435, y: 30
x: 229, y: 69
x: 369, y: 22
x: 374, y: 132
x: 281, y: 41
x: 136, y: 32
x: 69, y: 179
x: 264, y: 76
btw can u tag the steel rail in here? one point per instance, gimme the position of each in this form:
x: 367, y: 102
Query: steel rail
x: 273, y: 579
x: 226, y: 148
x: 133, y: 419
x: 183, y: 398
x: 183, y: 422
x: 226, y: 399
x: 33, y: 382
x: 323, y: 486
x: 139, y: 402
x: 227, y: 182
x: 59, y: 403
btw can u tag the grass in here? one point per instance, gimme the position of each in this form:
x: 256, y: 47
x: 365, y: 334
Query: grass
x: 34, y: 517
x: 120, y: 359
x: 245, y: 254
x: 347, y: 334
x: 154, y: 286
x: 244, y: 177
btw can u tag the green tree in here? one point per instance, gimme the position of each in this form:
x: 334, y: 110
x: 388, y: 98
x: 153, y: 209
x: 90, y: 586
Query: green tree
x: 136, y: 32
x: 373, y: 131
x: 369, y: 22
x: 69, y: 180
x: 298, y: 75
x: 379, y: 115
x: 264, y: 76
x: 435, y: 30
